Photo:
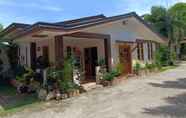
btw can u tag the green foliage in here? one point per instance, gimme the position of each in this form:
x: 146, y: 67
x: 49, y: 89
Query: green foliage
x: 164, y: 56
x: 68, y: 69
x: 101, y: 62
x: 157, y: 19
x: 137, y: 67
x: 115, y: 72
x: 108, y: 76
x: 1, y: 27
x: 150, y: 66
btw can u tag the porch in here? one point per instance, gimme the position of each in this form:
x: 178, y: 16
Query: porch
x: 87, y: 49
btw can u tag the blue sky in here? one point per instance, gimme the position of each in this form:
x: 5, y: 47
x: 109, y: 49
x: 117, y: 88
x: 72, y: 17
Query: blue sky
x: 30, y: 11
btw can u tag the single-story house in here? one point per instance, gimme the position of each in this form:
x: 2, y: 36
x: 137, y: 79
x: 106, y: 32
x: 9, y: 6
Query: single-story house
x: 117, y: 39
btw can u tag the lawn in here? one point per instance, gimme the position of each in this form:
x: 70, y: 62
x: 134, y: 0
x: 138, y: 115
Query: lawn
x: 11, y: 102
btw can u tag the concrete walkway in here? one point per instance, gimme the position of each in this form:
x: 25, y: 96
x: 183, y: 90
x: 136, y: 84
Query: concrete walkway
x: 157, y: 96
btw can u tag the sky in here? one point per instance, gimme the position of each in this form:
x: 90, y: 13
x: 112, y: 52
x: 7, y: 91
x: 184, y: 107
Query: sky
x: 31, y: 11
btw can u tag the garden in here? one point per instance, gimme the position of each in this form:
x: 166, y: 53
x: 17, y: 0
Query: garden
x: 25, y: 86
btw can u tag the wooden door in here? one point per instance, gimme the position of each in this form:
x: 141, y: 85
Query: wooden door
x: 125, y: 58
x: 90, y: 56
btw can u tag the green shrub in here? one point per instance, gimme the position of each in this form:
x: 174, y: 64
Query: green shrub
x: 137, y: 67
x: 150, y: 66
x: 115, y: 72
x: 108, y: 77
x: 164, y: 56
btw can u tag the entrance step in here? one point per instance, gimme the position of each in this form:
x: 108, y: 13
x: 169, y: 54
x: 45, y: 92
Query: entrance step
x: 90, y: 86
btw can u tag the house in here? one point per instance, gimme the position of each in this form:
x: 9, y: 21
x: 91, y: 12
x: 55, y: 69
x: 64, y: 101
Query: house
x: 117, y: 39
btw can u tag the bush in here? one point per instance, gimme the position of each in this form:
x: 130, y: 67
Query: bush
x: 150, y: 66
x: 115, y: 72
x: 164, y: 56
x: 108, y: 76
x: 137, y: 67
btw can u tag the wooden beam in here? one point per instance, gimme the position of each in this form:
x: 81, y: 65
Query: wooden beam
x: 108, y: 58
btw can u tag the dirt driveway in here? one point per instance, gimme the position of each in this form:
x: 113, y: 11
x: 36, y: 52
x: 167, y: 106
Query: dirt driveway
x: 159, y: 96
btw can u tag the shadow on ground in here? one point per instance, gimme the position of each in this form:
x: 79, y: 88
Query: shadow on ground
x: 176, y: 106
x: 179, y: 84
x: 10, y: 100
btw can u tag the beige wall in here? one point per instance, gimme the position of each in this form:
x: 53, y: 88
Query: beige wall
x: 132, y: 30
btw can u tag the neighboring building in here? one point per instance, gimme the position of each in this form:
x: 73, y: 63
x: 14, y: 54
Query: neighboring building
x: 118, y: 39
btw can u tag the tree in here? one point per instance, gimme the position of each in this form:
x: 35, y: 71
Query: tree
x: 170, y: 23
x: 157, y: 18
x: 1, y: 27
x: 178, y: 17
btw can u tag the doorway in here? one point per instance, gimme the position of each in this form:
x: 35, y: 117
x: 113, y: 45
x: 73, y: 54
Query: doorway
x: 125, y: 58
x: 91, y: 59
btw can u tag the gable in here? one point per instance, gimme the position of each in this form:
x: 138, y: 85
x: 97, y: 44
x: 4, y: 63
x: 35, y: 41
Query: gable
x: 128, y: 29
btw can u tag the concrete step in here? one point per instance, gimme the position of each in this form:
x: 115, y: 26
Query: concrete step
x: 90, y: 86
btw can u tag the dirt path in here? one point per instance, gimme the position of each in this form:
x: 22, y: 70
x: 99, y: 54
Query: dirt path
x: 159, y: 96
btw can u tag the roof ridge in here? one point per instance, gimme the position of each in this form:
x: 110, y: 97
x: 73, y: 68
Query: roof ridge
x: 83, y: 18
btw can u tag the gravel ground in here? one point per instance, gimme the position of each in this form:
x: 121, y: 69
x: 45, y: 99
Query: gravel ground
x: 161, y: 95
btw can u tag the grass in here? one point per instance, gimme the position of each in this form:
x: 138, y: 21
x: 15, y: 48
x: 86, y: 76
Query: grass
x: 11, y: 102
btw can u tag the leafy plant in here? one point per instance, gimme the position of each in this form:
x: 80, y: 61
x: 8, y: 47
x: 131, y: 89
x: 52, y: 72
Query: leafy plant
x: 101, y: 62
x: 137, y: 67
x: 108, y: 76
x: 164, y: 56
x: 115, y: 72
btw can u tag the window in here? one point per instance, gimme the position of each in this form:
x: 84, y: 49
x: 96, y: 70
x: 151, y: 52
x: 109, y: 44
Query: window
x: 140, y: 51
x: 151, y: 50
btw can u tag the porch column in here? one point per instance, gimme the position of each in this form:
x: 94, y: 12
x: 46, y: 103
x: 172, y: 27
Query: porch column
x: 108, y: 58
x: 59, y: 56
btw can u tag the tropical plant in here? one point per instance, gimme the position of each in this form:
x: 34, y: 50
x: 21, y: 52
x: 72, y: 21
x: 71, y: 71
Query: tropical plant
x: 101, y: 62
x: 137, y: 67
x: 108, y: 76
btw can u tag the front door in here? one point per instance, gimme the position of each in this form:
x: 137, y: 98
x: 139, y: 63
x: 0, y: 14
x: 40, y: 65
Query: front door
x: 125, y: 58
x: 90, y: 56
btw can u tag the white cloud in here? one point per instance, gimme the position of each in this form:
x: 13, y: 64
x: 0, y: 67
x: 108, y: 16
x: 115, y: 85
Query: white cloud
x: 40, y: 4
